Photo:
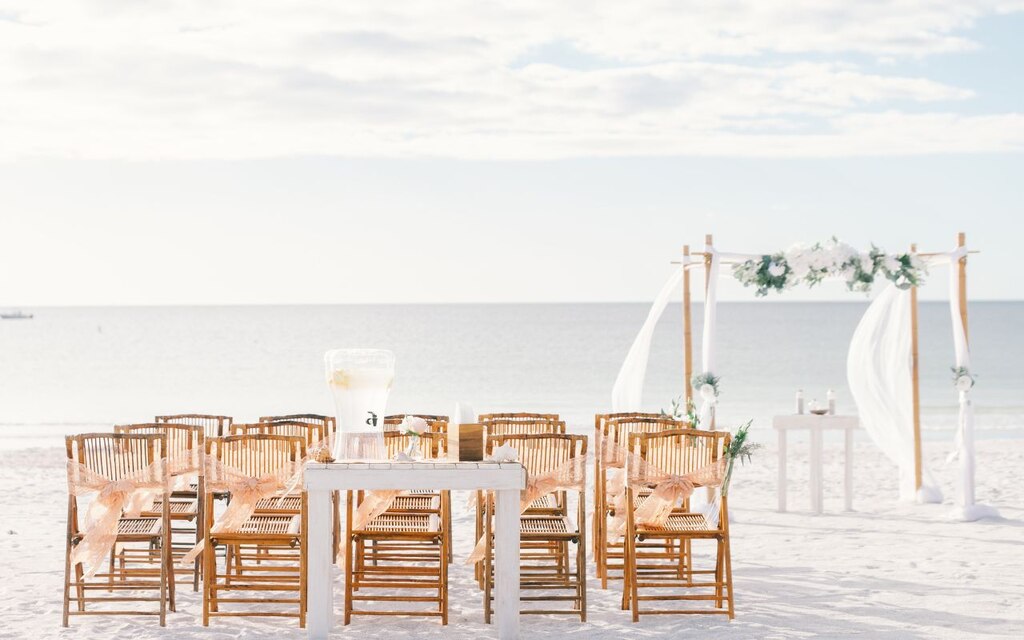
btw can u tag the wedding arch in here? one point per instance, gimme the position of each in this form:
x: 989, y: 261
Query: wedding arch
x: 882, y: 363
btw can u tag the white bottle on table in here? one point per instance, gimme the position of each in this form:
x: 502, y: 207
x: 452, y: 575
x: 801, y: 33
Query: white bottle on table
x: 831, y: 396
x: 799, y: 401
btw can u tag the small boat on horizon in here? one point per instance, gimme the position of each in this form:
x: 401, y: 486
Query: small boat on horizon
x: 16, y: 315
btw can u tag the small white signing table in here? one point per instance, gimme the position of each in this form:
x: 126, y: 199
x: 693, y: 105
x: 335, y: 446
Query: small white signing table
x: 506, y: 479
x: 816, y: 424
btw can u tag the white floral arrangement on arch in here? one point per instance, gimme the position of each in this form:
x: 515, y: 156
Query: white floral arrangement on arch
x: 706, y: 384
x: 811, y: 264
x: 963, y: 379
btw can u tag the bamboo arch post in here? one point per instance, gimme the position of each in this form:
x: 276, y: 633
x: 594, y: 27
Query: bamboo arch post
x: 915, y: 383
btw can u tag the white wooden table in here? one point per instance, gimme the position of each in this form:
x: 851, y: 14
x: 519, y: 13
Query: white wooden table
x: 815, y: 425
x: 506, y: 479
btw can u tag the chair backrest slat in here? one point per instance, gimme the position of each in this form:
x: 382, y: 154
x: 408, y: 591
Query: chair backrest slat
x: 257, y: 454
x: 541, y: 452
x: 310, y: 432
x: 679, y: 451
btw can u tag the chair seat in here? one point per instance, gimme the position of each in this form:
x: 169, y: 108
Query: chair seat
x: 545, y: 526
x: 277, y: 504
x: 179, y: 507
x: 271, y: 525
x: 416, y: 502
x: 139, y: 527
x: 682, y: 523
x: 543, y: 503
x: 404, y: 523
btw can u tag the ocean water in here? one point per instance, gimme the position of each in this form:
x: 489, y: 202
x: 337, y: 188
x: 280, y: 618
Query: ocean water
x: 75, y: 368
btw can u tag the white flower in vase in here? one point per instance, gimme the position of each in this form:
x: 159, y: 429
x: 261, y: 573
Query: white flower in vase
x: 776, y: 270
x: 414, y: 426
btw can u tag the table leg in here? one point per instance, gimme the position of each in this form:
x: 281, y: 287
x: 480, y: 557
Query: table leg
x: 506, y: 566
x: 320, y: 594
x: 848, y: 469
x: 782, y: 470
x: 816, y: 472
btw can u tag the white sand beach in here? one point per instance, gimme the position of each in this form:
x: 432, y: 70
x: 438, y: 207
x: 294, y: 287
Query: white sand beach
x: 886, y: 570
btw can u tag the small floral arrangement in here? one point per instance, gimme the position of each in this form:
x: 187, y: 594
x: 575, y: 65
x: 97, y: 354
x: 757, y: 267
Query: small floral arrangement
x: 689, y: 414
x: 706, y: 384
x: 739, y: 449
x: 811, y: 264
x: 962, y: 378
x: 414, y: 426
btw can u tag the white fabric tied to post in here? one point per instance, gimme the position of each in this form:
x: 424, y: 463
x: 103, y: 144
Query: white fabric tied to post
x: 963, y: 448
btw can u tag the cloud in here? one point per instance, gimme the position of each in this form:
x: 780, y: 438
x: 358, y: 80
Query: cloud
x: 523, y: 79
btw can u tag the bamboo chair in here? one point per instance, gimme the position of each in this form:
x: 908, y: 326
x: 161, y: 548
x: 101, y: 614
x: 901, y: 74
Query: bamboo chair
x: 214, y: 426
x: 405, y: 550
x: 146, y: 540
x: 597, y: 526
x: 185, y: 443
x: 617, y: 429
x: 279, y: 568
x: 497, y: 424
x: 540, y: 533
x: 328, y: 427
x: 678, y: 452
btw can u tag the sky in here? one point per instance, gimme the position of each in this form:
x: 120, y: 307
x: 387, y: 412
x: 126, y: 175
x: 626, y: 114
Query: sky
x: 209, y: 152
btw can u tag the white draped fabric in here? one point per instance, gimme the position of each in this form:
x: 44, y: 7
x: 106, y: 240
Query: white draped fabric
x: 627, y: 394
x: 878, y: 370
x: 707, y: 351
x: 963, y: 451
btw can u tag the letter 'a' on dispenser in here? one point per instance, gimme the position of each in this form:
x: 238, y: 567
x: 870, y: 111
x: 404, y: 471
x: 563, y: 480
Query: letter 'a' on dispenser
x: 471, y: 442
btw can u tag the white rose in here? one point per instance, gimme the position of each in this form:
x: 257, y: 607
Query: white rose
x: 866, y: 264
x: 964, y: 383
x: 707, y: 391
x: 891, y: 264
x: 414, y: 425
x: 776, y: 270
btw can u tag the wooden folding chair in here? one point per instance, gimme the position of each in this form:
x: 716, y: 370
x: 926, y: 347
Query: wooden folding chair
x: 500, y: 424
x: 279, y: 565
x: 597, y: 526
x: 213, y: 426
x: 678, y: 452
x: 615, y: 432
x: 186, y: 446
x: 144, y: 558
x: 405, y: 550
x: 544, y: 537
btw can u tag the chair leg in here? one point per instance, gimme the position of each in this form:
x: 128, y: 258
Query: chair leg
x: 728, y: 577
x: 209, y: 572
x: 719, y: 573
x: 164, y: 593
x: 633, y: 578
x: 349, y: 578
x: 67, y: 580
x: 79, y: 586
